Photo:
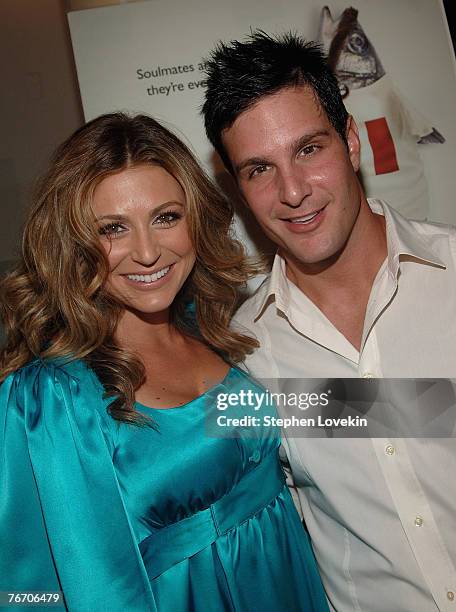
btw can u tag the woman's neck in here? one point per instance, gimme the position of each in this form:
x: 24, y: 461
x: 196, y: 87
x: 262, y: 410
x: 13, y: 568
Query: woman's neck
x: 145, y: 333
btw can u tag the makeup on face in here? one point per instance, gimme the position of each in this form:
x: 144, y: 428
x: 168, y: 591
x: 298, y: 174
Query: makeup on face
x: 142, y: 219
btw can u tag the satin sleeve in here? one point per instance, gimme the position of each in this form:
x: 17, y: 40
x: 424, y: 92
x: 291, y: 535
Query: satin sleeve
x: 63, y: 524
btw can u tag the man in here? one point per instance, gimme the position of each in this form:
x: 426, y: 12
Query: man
x: 355, y: 290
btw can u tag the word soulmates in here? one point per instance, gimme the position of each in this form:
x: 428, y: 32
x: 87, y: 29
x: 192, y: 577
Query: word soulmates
x: 161, y: 71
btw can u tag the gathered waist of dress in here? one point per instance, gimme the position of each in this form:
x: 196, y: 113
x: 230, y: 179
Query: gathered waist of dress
x: 173, y: 543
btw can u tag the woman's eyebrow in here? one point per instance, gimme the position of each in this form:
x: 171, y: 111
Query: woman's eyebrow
x: 154, y: 211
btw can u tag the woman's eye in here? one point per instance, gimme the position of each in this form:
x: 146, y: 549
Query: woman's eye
x: 168, y: 218
x: 111, y: 230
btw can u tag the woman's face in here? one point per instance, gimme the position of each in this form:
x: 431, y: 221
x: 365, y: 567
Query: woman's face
x: 142, y: 219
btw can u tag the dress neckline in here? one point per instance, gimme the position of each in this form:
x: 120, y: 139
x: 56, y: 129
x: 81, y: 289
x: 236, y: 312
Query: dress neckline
x: 188, y: 404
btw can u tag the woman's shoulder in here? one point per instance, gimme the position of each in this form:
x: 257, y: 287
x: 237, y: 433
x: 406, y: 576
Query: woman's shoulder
x: 58, y: 400
x: 56, y: 370
x: 42, y: 383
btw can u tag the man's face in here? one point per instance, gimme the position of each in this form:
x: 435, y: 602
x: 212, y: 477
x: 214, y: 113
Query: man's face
x: 296, y: 174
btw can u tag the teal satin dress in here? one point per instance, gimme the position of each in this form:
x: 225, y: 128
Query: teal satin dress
x: 121, y: 518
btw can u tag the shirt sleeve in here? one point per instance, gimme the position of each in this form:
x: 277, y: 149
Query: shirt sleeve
x: 63, y: 524
x: 290, y: 480
x: 417, y: 123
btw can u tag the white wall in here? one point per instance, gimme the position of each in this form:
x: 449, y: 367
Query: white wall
x: 39, y: 104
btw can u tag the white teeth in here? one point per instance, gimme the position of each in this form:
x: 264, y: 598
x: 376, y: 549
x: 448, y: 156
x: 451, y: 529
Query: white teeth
x: 306, y: 218
x: 149, y: 278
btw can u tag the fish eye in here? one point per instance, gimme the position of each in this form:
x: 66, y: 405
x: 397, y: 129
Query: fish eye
x: 357, y: 43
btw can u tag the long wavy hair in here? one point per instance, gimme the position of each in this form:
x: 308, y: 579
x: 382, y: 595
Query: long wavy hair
x: 54, y: 304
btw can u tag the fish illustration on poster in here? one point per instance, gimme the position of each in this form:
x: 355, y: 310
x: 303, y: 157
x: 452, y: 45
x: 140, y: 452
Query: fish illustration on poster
x: 391, y: 128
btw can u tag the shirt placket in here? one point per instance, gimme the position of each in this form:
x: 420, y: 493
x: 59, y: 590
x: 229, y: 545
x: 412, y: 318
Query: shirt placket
x: 417, y: 520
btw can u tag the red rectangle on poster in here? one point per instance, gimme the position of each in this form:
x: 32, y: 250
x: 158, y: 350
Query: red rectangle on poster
x: 382, y: 144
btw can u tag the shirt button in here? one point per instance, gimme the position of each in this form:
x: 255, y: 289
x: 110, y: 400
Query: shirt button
x: 418, y: 521
x: 390, y: 450
x: 450, y: 595
x: 255, y: 457
x: 368, y: 375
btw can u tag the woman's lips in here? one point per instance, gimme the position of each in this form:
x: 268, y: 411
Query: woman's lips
x: 149, y: 281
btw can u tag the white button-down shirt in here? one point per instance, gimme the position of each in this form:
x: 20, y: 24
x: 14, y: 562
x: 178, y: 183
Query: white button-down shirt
x: 381, y: 513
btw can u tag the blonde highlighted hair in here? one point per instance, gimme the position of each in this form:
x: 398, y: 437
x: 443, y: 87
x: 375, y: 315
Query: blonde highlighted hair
x: 54, y: 303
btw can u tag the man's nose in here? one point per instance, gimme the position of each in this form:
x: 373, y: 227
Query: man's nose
x: 146, y: 248
x: 294, y: 187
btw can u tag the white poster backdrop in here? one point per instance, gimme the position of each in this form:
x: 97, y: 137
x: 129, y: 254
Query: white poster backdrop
x: 148, y: 57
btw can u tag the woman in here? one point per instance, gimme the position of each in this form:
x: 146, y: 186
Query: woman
x: 113, y: 491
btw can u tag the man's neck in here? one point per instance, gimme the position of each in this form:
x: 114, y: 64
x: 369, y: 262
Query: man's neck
x: 340, y: 287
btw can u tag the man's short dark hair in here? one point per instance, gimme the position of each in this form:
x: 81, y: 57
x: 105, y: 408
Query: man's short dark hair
x: 241, y: 73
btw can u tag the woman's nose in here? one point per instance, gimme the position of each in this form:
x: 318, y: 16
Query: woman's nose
x: 146, y: 248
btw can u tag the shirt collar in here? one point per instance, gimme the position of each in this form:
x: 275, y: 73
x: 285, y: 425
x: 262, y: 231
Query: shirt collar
x: 402, y: 240
x: 277, y: 287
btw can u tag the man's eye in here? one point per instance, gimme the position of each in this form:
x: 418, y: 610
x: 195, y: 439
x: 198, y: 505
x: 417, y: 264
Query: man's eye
x: 111, y: 229
x: 168, y: 218
x: 308, y: 150
x: 258, y: 170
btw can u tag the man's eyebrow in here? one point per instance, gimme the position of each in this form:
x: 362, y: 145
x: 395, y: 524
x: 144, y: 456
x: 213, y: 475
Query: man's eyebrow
x: 302, y: 141
x: 251, y: 161
x: 306, y: 138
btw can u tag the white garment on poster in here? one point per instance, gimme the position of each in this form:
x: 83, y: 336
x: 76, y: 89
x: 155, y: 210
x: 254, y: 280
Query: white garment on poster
x: 389, y: 128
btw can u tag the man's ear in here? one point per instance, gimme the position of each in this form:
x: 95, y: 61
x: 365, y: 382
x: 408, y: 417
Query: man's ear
x: 354, y: 146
